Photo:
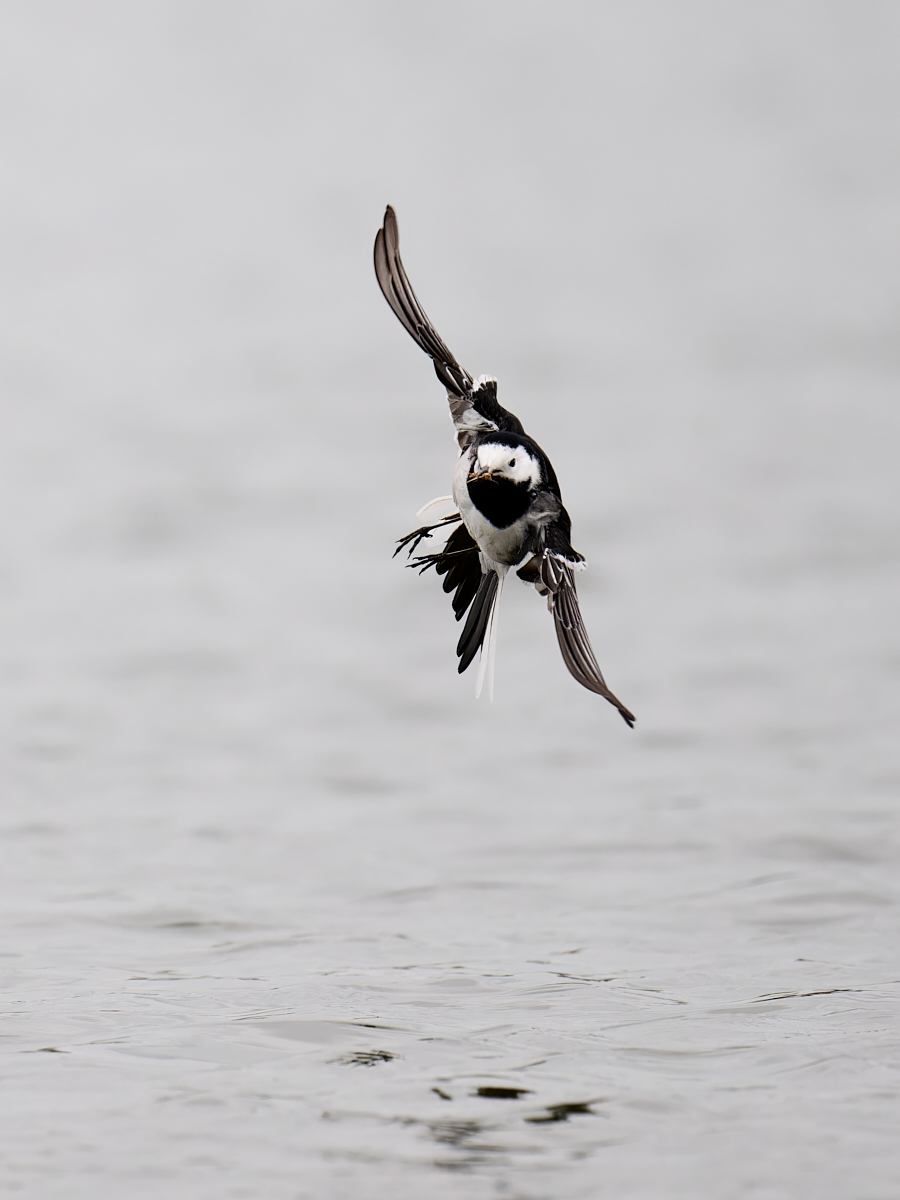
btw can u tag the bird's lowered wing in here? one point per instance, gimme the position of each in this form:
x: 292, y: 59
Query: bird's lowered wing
x: 473, y: 405
x: 557, y: 580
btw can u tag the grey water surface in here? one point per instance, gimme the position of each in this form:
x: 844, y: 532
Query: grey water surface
x: 286, y: 914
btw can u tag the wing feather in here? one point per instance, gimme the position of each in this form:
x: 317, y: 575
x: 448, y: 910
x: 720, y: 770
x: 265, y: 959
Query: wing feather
x: 459, y: 561
x: 558, y: 581
x: 398, y: 291
x: 473, y: 406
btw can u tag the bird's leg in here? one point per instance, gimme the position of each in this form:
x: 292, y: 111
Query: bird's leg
x: 423, y: 532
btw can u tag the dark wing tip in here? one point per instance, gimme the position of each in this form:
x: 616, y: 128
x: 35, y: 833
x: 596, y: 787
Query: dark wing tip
x: 389, y: 222
x: 389, y: 225
x: 572, y: 636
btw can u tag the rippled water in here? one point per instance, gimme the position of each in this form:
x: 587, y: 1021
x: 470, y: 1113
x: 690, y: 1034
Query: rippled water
x: 286, y: 912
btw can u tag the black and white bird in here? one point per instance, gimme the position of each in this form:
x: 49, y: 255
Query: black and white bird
x: 508, y: 503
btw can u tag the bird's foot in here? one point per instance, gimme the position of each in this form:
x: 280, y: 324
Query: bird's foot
x: 424, y: 531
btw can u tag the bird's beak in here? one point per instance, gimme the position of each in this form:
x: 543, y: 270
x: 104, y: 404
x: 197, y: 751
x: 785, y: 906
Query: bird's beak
x: 484, y: 475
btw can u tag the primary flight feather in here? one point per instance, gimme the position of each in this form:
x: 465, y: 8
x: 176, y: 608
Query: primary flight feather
x: 509, y: 506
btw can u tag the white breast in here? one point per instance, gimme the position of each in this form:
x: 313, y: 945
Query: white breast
x: 500, y: 548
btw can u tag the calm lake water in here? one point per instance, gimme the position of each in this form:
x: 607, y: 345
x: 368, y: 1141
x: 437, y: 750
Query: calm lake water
x: 286, y: 913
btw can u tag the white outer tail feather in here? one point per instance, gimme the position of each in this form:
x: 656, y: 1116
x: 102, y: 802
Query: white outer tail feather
x: 489, y: 645
x: 431, y: 504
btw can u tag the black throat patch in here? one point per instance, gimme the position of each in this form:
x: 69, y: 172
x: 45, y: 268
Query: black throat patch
x: 500, y: 500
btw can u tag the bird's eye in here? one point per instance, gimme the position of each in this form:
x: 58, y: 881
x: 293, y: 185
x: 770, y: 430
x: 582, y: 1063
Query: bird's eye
x: 512, y: 462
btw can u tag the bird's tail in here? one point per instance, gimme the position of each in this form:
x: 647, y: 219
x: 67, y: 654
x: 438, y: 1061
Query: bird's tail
x: 489, y: 646
x: 480, y: 631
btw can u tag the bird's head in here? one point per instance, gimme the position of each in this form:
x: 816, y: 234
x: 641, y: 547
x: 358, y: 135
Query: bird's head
x: 496, y: 460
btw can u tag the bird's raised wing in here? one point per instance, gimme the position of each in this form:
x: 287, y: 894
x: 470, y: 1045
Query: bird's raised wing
x: 394, y: 283
x: 473, y: 405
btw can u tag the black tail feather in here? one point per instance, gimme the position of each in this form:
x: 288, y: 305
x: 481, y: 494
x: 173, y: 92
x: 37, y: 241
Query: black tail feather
x: 476, y: 624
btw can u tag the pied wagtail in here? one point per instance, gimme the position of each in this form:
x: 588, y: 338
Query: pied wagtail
x: 507, y: 498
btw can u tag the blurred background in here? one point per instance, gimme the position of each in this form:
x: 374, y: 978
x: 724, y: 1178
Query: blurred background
x: 249, y: 810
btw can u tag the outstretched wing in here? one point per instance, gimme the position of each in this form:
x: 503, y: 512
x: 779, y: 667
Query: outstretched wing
x: 473, y: 405
x: 571, y: 633
x: 553, y: 574
x: 394, y: 283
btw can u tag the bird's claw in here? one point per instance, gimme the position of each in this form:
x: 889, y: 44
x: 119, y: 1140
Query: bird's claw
x: 424, y: 531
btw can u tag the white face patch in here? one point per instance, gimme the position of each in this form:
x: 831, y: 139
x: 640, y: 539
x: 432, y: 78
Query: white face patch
x: 510, y: 462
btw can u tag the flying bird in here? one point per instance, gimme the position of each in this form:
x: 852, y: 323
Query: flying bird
x: 509, y: 508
